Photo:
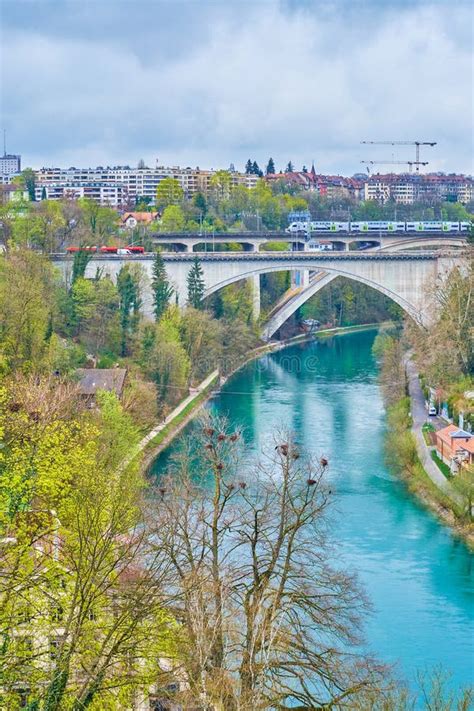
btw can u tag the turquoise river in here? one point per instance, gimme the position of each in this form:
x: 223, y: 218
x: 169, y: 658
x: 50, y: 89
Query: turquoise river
x: 418, y: 576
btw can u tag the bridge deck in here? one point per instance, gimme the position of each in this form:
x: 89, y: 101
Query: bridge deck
x: 265, y: 256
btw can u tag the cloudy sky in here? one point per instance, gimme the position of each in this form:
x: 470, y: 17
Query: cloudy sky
x: 97, y: 82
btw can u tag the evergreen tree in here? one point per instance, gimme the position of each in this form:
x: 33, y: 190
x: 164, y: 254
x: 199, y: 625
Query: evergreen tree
x: 43, y: 193
x: 256, y: 168
x: 162, y: 290
x: 289, y: 167
x: 129, y: 305
x: 305, y: 169
x: 248, y: 167
x: 195, y: 283
x: 200, y: 203
x: 79, y: 264
x: 270, y: 167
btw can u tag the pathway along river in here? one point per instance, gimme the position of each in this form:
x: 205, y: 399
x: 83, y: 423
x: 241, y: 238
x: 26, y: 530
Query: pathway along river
x: 417, y: 574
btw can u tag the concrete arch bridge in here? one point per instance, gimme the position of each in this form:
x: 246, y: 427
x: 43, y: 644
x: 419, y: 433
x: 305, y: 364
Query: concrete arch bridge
x: 402, y: 276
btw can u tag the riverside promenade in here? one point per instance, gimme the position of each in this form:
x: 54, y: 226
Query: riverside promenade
x: 418, y: 414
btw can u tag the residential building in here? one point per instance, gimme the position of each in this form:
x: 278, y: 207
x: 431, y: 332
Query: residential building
x: 106, y: 193
x: 333, y: 187
x: 455, y: 447
x: 12, y: 193
x: 133, y: 219
x: 10, y: 164
x: 408, y: 188
x: 91, y: 380
x: 131, y: 184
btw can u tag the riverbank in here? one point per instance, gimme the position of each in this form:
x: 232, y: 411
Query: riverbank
x: 163, y: 434
x: 410, y: 457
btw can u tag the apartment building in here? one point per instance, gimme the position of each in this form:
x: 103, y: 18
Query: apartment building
x: 10, y: 164
x: 106, y: 193
x: 120, y: 185
x: 406, y: 189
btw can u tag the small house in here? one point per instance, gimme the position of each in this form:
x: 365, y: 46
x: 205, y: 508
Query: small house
x: 130, y: 220
x: 91, y: 380
x: 455, y: 447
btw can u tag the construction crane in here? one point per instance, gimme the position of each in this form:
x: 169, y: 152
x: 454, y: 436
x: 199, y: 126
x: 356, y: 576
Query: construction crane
x: 417, y: 145
x: 410, y: 163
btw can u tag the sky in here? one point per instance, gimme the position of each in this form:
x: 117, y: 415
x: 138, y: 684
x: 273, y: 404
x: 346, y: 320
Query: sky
x: 200, y: 83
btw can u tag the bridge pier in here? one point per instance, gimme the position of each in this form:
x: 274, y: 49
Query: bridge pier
x: 254, y: 281
x: 300, y: 277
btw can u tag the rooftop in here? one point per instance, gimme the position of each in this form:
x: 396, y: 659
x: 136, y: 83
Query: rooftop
x: 93, y: 379
x: 463, y: 440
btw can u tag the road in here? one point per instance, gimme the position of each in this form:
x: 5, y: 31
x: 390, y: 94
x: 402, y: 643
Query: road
x: 419, y: 417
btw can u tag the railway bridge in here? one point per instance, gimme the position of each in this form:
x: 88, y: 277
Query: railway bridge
x: 402, y: 276
x: 342, y: 241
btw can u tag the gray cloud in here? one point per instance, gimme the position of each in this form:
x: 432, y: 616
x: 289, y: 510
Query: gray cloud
x: 209, y: 83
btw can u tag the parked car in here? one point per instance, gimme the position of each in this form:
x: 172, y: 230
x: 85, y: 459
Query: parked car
x: 432, y: 410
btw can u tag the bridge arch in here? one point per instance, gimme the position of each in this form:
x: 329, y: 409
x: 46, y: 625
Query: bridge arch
x: 318, y: 282
x: 441, y: 241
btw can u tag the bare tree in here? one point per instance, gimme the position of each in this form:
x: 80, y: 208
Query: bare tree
x: 267, y: 621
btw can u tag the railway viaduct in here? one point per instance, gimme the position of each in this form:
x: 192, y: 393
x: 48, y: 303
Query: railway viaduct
x: 402, y: 276
x: 254, y: 241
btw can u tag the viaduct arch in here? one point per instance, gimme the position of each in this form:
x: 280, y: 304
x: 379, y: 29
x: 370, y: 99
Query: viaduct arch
x: 402, y: 276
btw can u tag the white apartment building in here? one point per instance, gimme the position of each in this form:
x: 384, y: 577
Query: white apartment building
x: 106, y: 193
x: 10, y: 164
x: 377, y: 190
x: 130, y: 182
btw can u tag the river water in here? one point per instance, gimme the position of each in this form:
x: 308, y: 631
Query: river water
x: 419, y: 577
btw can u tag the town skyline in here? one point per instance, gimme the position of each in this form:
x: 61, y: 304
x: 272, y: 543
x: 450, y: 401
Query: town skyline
x: 280, y: 166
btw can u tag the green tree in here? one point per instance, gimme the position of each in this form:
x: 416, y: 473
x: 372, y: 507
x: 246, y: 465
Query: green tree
x: 79, y: 264
x: 168, y: 192
x: 129, y: 305
x: 200, y: 203
x: 173, y: 219
x: 27, y: 300
x: 101, y: 328
x: 28, y: 180
x: 168, y: 366
x: 256, y: 169
x: 248, y: 167
x: 463, y: 483
x: 100, y: 222
x: 220, y: 185
x: 196, y: 285
x: 289, y: 167
x: 162, y: 290
x: 39, y: 226
x: 270, y: 169
x: 79, y: 578
x: 201, y: 336
x: 83, y: 296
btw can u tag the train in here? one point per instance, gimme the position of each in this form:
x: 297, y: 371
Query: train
x: 130, y: 249
x: 429, y: 226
